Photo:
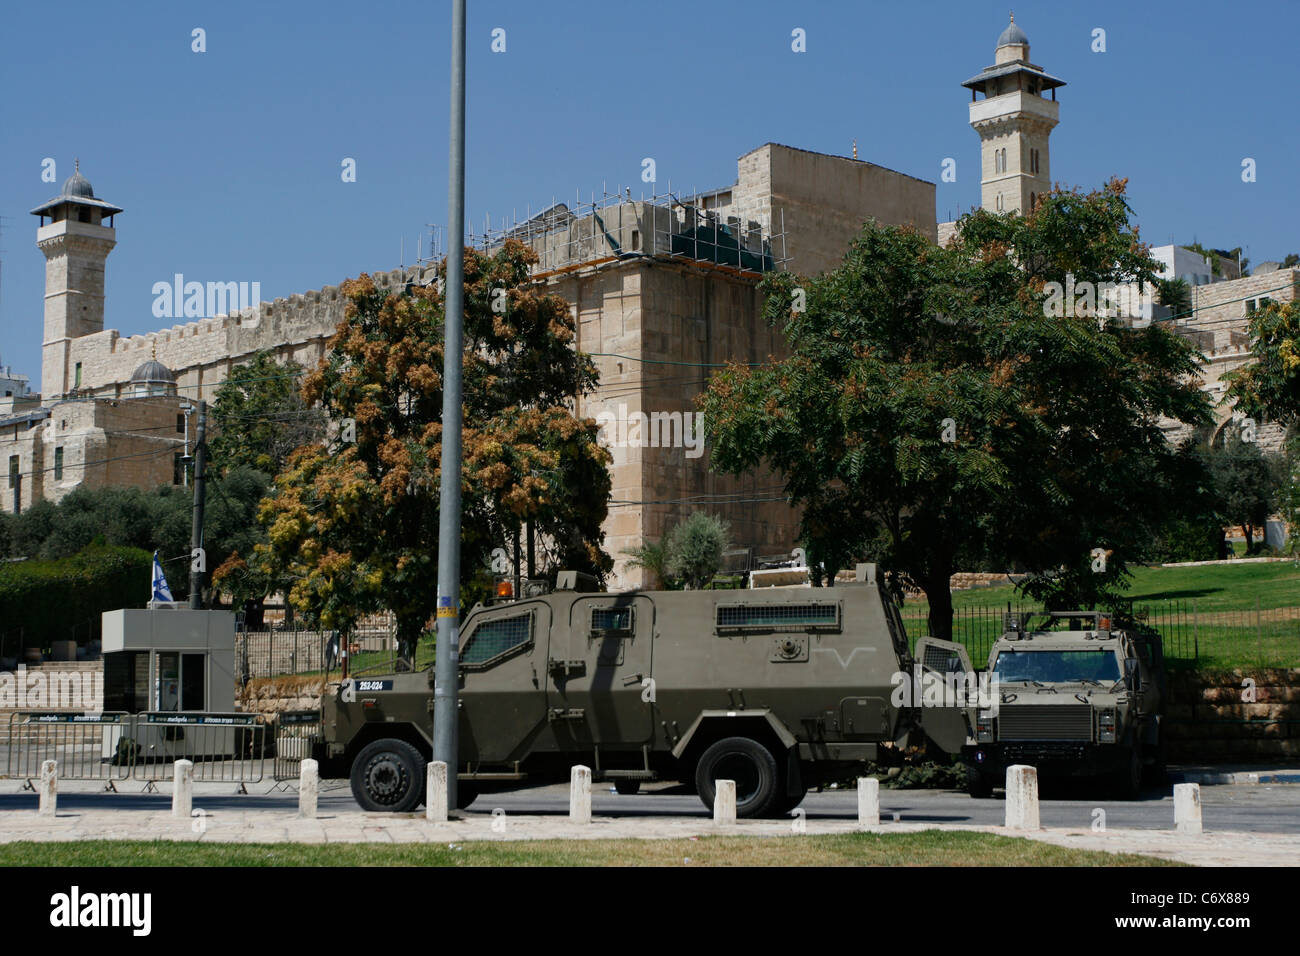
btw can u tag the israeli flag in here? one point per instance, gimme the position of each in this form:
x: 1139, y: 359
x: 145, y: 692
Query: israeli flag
x: 161, y: 592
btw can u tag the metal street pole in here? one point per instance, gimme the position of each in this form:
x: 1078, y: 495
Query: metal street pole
x: 196, y: 530
x: 447, y: 672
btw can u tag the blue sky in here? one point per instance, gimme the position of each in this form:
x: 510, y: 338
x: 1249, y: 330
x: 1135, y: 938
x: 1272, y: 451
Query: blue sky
x: 228, y: 162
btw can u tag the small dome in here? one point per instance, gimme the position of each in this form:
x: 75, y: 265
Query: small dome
x: 153, y: 371
x: 1012, y: 34
x: 78, y: 186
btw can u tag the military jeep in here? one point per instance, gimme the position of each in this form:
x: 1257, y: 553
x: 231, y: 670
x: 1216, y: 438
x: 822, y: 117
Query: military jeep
x: 1075, y: 696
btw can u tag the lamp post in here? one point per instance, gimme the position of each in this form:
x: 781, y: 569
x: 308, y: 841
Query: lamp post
x: 447, y: 670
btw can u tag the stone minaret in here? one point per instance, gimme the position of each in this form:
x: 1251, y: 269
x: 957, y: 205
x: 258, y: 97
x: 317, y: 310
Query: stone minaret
x: 1014, y: 119
x: 76, y: 242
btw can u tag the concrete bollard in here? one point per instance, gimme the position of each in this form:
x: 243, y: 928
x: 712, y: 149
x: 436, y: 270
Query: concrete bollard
x: 580, y: 795
x: 1187, y: 807
x: 182, y: 788
x: 435, y: 792
x: 308, y: 788
x: 868, y: 802
x: 1022, y: 798
x: 724, y: 802
x: 49, y: 788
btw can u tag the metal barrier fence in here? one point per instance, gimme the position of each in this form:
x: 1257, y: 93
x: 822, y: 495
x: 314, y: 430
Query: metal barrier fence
x: 114, y: 747
x: 295, y: 734
x: 224, y: 748
x: 86, y: 746
x: 1266, y: 637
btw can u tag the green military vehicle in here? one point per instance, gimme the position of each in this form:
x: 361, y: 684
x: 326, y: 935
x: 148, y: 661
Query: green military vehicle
x: 778, y: 689
x: 1073, y: 696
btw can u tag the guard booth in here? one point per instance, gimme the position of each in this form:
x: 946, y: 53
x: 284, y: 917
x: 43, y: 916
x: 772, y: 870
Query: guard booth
x: 166, y: 663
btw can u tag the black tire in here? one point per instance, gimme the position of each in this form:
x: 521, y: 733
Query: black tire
x: 751, y: 765
x: 1128, y: 782
x: 388, y: 777
x: 628, y: 788
x: 1156, y: 773
x: 978, y: 784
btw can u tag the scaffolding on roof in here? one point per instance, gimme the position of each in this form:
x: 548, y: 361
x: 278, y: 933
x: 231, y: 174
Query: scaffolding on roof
x: 614, y: 226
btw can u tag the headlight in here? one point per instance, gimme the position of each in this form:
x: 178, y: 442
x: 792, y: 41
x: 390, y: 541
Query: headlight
x: 984, y: 727
x: 1106, y: 726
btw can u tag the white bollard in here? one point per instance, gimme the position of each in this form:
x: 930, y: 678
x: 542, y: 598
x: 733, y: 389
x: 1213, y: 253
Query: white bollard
x: 308, y: 788
x: 435, y: 792
x: 182, y: 788
x: 49, y: 788
x: 580, y: 795
x: 724, y: 802
x: 1022, y: 798
x: 1187, y: 807
x: 868, y: 802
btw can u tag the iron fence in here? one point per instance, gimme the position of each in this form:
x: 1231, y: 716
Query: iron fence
x: 1264, y: 637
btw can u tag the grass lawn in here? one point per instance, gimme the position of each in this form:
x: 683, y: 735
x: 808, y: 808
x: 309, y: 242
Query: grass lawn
x: 927, y: 848
x: 1206, y: 614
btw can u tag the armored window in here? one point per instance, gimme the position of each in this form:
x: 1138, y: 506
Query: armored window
x: 13, y: 470
x: 822, y: 616
x: 76, y: 375
x: 612, y: 621
x: 180, y: 424
x: 494, y: 640
x: 58, y: 464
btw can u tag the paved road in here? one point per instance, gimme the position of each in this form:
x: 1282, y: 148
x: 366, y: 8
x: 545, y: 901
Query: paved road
x: 1258, y: 809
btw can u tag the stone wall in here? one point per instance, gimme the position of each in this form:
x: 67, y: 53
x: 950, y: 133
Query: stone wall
x: 202, y: 353
x: 1208, y: 718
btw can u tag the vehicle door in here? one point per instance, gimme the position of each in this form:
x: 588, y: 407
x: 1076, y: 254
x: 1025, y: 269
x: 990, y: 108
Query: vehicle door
x: 944, y: 692
x: 602, y: 687
x: 503, y: 694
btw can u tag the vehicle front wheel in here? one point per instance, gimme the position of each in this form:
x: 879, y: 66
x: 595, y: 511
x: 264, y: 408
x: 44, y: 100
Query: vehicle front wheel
x: 978, y: 783
x: 1128, y: 783
x: 750, y: 765
x: 388, y: 776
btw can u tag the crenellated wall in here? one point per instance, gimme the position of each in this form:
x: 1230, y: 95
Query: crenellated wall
x: 202, y: 353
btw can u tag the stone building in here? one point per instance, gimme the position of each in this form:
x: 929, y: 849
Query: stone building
x: 664, y: 292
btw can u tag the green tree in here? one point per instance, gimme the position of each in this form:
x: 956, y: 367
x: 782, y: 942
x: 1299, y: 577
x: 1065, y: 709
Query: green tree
x: 354, y: 524
x: 653, y: 557
x: 1245, y: 485
x: 1269, y: 387
x: 695, y: 547
x: 935, y: 405
x: 1176, y: 295
x: 259, y: 416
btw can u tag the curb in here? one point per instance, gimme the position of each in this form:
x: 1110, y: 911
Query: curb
x: 1210, y: 779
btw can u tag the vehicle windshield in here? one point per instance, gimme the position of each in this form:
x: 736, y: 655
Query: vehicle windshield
x: 1055, y: 666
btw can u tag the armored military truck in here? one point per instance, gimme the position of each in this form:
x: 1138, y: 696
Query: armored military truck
x: 1074, y: 696
x: 777, y: 689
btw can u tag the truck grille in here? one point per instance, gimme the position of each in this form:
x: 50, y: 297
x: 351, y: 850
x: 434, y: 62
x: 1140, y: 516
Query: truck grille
x: 1064, y: 722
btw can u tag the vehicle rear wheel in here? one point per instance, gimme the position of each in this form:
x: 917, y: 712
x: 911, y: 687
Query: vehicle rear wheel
x: 627, y: 788
x: 978, y: 783
x: 466, y: 793
x: 388, y: 776
x: 750, y: 765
